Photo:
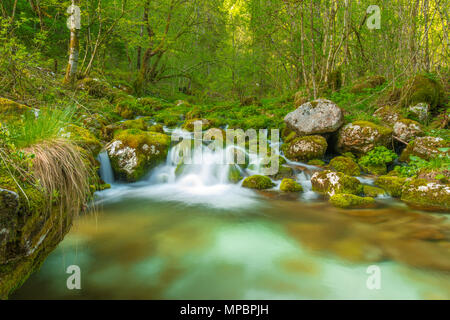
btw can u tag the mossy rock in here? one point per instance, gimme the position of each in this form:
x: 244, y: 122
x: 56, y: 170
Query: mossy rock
x: 422, y: 89
x: 283, y: 173
x: 407, y: 129
x: 345, y: 165
x: 370, y: 82
x: 156, y: 128
x: 305, y: 148
x: 95, y: 123
x: 258, y: 182
x: 234, y: 174
x: 11, y: 111
x: 371, y: 191
x: 189, y: 124
x: 350, y: 201
x: 425, y: 195
x: 139, y: 124
x: 378, y: 170
x: 331, y: 183
x: 83, y: 138
x: 426, y: 148
x: 388, y: 115
x: 289, y: 185
x: 360, y: 137
x: 133, y: 152
x: 391, y: 184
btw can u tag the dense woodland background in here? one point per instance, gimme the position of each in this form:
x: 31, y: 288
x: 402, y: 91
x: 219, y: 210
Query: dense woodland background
x: 223, y: 49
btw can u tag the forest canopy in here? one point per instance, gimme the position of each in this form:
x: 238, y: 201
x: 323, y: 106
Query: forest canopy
x: 226, y: 49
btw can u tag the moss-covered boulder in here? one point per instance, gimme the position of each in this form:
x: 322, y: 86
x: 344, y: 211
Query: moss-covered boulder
x: 391, y: 184
x: 126, y: 109
x: 190, y: 124
x: 289, y: 185
x: 315, y: 117
x: 258, y: 182
x: 83, y: 138
x: 11, y: 111
x: 331, y: 183
x: 369, y: 82
x: 371, y: 191
x: 378, y: 169
x: 133, y: 152
x: 361, y: 137
x: 283, y: 172
x: 426, y: 195
x: 407, y: 129
x: 137, y: 124
x: 234, y: 174
x: 156, y: 128
x: 305, y: 148
x: 426, y: 148
x: 422, y: 89
x: 345, y: 165
x: 350, y: 201
x: 388, y: 115
x: 419, y: 112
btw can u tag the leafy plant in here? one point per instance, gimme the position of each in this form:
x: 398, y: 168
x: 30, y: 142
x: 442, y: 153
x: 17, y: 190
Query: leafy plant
x: 416, y: 164
x: 378, y: 157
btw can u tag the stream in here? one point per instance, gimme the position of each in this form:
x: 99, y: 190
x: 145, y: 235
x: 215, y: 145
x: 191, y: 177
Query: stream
x: 199, y: 236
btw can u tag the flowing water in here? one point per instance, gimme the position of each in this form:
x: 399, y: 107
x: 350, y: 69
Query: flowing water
x: 198, y: 236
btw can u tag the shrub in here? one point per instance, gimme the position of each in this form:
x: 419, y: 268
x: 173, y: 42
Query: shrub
x: 378, y: 157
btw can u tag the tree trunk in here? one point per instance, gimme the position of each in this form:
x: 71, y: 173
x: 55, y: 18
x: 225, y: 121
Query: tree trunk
x: 74, y: 50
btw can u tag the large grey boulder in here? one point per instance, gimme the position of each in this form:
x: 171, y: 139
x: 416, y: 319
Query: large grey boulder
x: 315, y: 117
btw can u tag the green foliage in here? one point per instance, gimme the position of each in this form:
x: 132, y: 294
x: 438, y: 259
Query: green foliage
x: 377, y: 157
x: 47, y: 125
x: 417, y: 164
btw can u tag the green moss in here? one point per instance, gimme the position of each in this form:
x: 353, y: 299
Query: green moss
x: 139, y: 124
x: 345, y: 165
x: 350, y: 201
x: 83, y: 138
x: 289, y: 185
x: 424, y: 195
x: 370, y: 191
x: 156, y: 128
x: 378, y: 170
x: 283, y: 172
x: 426, y: 148
x: 234, y: 174
x: 393, y: 185
x: 422, y: 89
x: 316, y: 162
x: 11, y: 111
x: 370, y: 82
x: 305, y: 148
x: 147, y: 149
x: 258, y: 182
x: 329, y: 182
x: 189, y: 124
x: 381, y: 129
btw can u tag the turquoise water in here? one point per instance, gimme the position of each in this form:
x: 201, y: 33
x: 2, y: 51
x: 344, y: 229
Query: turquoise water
x: 284, y: 249
x: 198, y: 236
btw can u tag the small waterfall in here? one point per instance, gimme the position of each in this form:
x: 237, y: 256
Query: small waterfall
x: 106, y: 172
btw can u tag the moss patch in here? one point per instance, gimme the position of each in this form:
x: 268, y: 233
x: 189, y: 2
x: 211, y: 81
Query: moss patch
x: 345, y: 165
x: 258, y: 182
x: 289, y: 185
x: 350, y: 201
x: 392, y: 185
